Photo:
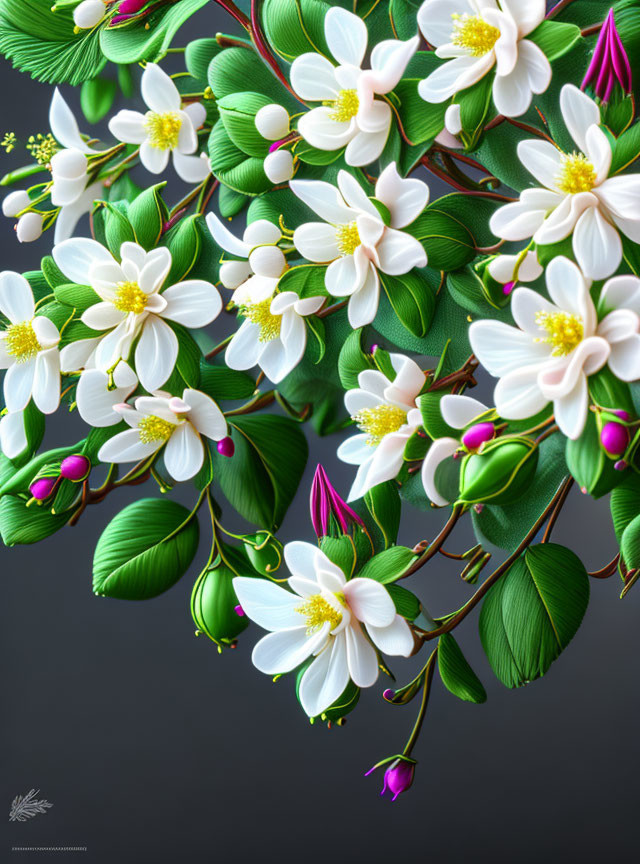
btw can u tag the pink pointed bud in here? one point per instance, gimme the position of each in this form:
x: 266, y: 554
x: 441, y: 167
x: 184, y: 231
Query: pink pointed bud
x: 388, y: 695
x: 75, y: 468
x: 610, y: 64
x: 374, y: 348
x: 614, y: 438
x: 507, y: 288
x: 130, y: 7
x: 398, y: 777
x: 42, y: 488
x: 226, y: 447
x: 477, y: 435
x: 239, y: 610
x: 329, y: 513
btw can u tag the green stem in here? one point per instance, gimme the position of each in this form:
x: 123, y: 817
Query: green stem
x: 417, y: 726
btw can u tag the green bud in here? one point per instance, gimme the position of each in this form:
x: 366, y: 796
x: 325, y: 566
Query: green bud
x: 495, y: 293
x: 214, y: 605
x: 264, y: 551
x: 499, y: 474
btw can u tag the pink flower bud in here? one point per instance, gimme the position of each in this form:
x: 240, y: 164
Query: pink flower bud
x: 239, y: 610
x: 130, y: 7
x: 75, y: 468
x: 42, y: 488
x: 330, y: 515
x: 623, y: 415
x: 507, y: 288
x: 614, y: 438
x: 226, y: 447
x: 398, y: 777
x: 609, y: 65
x: 477, y: 435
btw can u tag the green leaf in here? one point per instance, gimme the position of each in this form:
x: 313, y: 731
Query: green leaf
x: 233, y: 167
x: 117, y: 228
x: 448, y: 241
x: 531, y: 614
x: 626, y: 149
x: 185, y: 242
x: 222, y: 383
x: 625, y: 503
x: 238, y: 114
x: 383, y: 504
x: 233, y: 68
x: 588, y: 462
x: 403, y: 15
x: 413, y: 300
x: 144, y: 550
x: 555, y: 38
x: 96, y: 98
x: 421, y: 121
x: 353, y: 360
x: 406, y: 603
x: 262, y: 477
x: 390, y: 565
x: 79, y: 297
x: 457, y: 676
x: 307, y: 280
x: 630, y: 544
x: 147, y: 214
x: 230, y: 202
x: 198, y: 55
x: 294, y: 27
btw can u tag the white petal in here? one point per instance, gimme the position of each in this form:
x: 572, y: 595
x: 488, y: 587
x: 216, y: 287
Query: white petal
x: 454, y: 75
x: 441, y: 449
x: 184, y: 453
x: 570, y: 411
x: 193, y: 303
x: 77, y: 256
x: 127, y: 447
x: 316, y: 241
x: 389, y: 60
x: 374, y: 115
x: 156, y: 353
x: 46, y: 381
x: 599, y: 152
x: 226, y: 239
x: 187, y: 138
x: 355, y: 450
x: 621, y: 196
x: 624, y: 360
x: 363, y: 305
x: 541, y: 159
x: 269, y: 605
x: 354, y: 195
x: 196, y: 112
x: 435, y: 19
x: 570, y: 291
x: 324, y: 199
x: 158, y: 90
x: 408, y: 382
x: 205, y: 415
x: 361, y: 657
x: 459, y: 411
x: 370, y: 602
x: 518, y: 396
x: 527, y: 14
x: 346, y: 36
x: 153, y: 159
x: 102, y: 316
x: 18, y: 384
x: 396, y: 639
x: 16, y: 297
x: 561, y: 222
x: 191, y: 169
x: 366, y: 147
x: 516, y: 221
x: 13, y: 438
x: 596, y: 245
x: 95, y: 401
x: 512, y: 93
x: 406, y: 199
x: 578, y: 112
x: 313, y: 78
x: 399, y: 253
x: 64, y: 125
x: 342, y: 278
x: 302, y: 559
x: 383, y: 465
x: 76, y: 355
x: 558, y: 379
x: 128, y: 127
x: 501, y: 348
x: 621, y: 292
x: 245, y: 348
x: 284, y: 650
x: 326, y: 678
x: 282, y: 355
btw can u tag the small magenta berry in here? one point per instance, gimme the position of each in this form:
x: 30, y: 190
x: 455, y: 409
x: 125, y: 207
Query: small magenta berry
x: 42, y: 488
x: 75, y: 468
x: 388, y: 694
x: 226, y: 447
x: 507, y: 288
x: 614, y: 438
x: 239, y: 611
x: 477, y: 435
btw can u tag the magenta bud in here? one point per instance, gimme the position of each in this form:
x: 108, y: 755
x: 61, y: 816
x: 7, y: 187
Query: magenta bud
x: 388, y: 694
x: 75, y: 468
x: 130, y: 7
x: 477, y: 435
x: 623, y: 415
x: 42, y: 488
x: 374, y: 348
x: 614, y: 438
x: 620, y: 465
x: 226, y: 447
x: 330, y: 514
x: 239, y: 610
x: 507, y: 288
x: 398, y: 777
x: 478, y: 508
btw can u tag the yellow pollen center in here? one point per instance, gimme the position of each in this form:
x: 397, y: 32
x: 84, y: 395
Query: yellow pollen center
x: 472, y: 33
x: 347, y: 238
x: 345, y: 106
x: 380, y: 421
x: 21, y: 341
x: 317, y: 610
x: 163, y: 129
x: 154, y: 428
x: 130, y: 298
x: 565, y: 331
x: 577, y: 174
x: 260, y: 314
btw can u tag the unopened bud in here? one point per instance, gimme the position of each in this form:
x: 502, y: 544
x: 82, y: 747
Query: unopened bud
x: 278, y: 166
x: 15, y: 203
x: 614, y: 438
x: 477, y: 435
x: 29, y: 227
x: 272, y: 122
x: 267, y: 261
x: 226, y: 447
x: 42, y: 488
x: 88, y: 14
x: 75, y: 468
x: 501, y: 472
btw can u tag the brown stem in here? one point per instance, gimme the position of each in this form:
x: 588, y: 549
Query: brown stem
x: 257, y: 37
x: 439, y: 172
x: 558, y: 8
x: 94, y: 496
x: 260, y: 401
x: 428, y: 550
x: 329, y: 310
x: 557, y: 510
x: 608, y: 569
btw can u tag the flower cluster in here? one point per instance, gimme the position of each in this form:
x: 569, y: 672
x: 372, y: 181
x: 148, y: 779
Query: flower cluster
x: 310, y: 274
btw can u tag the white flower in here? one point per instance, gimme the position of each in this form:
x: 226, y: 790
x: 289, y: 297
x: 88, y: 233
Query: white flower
x: 355, y: 238
x: 578, y: 196
x: 157, y: 421
x: 167, y: 127
x: 557, y: 345
x: 97, y: 394
x: 457, y: 412
x: 350, y: 114
x: 272, y: 122
x: 13, y: 436
x: 506, y: 269
x: 278, y: 166
x: 256, y: 277
x: 273, y: 334
x: 476, y: 35
x: 387, y: 415
x: 89, y: 13
x: 69, y: 170
x: 322, y: 617
x: 28, y: 349
x: 132, y: 307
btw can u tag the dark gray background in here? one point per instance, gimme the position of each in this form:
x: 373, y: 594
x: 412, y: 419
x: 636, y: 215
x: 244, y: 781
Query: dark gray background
x: 153, y: 748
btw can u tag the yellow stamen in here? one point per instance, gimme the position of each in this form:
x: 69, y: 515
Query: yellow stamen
x: 163, y: 129
x: 260, y: 314
x: 42, y: 147
x: 565, y: 331
x: 577, y: 174
x: 154, y: 428
x: 380, y: 421
x: 345, y: 106
x: 9, y: 142
x: 317, y: 610
x: 347, y: 238
x: 130, y: 298
x: 472, y: 33
x: 21, y: 341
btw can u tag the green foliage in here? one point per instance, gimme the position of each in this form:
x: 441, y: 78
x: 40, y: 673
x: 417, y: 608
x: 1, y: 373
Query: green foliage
x: 390, y: 565
x: 457, y: 676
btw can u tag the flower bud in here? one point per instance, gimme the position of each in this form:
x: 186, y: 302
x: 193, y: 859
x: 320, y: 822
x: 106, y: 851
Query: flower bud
x: 15, y: 202
x: 226, y: 447
x: 272, y: 122
x: 234, y: 273
x: 614, y: 438
x: 29, y: 227
x: 262, y: 232
x: 330, y: 514
x: 398, y: 776
x: 75, y: 468
x: 452, y: 119
x: 130, y: 7
x: 477, y: 435
x: 42, y: 488
x: 214, y: 603
x: 502, y: 472
x: 278, y: 166
x: 610, y: 63
x: 264, y: 551
x: 88, y: 14
x: 267, y: 261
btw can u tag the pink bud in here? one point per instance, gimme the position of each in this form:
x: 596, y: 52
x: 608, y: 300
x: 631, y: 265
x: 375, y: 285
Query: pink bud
x: 623, y: 415
x: 388, y: 694
x: 620, y: 465
x: 226, y: 447
x: 507, y: 288
x: 374, y: 348
x: 477, y: 435
x: 239, y: 610
x: 75, y: 468
x: 614, y: 438
x: 130, y: 7
x: 42, y: 488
